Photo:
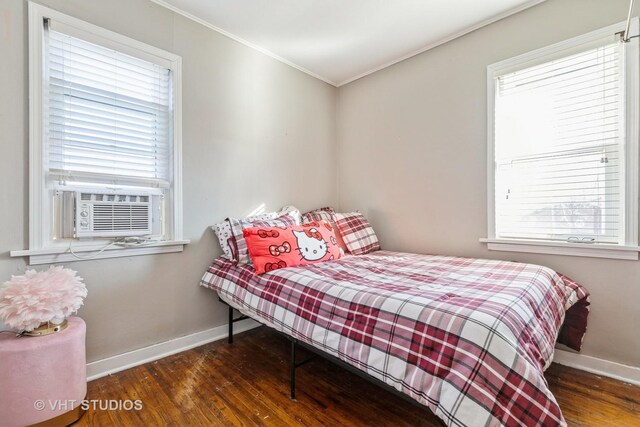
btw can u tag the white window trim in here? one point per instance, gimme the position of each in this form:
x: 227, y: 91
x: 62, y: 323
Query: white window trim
x: 563, y: 248
x: 40, y: 250
x: 93, y: 251
x: 631, y: 249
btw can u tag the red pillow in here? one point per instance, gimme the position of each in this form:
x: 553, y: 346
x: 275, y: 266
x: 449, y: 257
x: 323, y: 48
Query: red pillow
x: 272, y: 248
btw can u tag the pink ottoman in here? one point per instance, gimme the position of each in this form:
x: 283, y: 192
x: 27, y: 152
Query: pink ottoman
x: 43, y: 377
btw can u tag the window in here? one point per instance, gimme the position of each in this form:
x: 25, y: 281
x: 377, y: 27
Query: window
x: 108, y: 118
x: 105, y: 128
x: 563, y: 147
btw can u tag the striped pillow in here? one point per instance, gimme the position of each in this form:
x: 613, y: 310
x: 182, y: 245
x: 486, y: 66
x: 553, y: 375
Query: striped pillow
x: 223, y: 231
x: 227, y: 238
x: 357, y: 233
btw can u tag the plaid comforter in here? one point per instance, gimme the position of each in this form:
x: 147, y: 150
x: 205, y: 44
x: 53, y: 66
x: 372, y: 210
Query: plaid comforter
x: 469, y: 338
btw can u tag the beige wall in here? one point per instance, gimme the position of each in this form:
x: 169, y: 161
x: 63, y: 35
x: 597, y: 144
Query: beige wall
x: 412, y: 155
x: 250, y: 125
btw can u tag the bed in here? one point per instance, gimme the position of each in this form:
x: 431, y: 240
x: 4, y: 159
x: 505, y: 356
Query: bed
x: 468, y: 338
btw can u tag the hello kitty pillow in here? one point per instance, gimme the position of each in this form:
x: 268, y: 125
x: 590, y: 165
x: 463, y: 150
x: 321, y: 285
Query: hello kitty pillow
x: 272, y: 248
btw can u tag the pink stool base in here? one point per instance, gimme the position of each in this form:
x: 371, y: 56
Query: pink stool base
x: 49, y: 369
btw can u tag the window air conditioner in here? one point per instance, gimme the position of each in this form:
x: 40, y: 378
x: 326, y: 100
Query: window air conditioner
x: 112, y: 214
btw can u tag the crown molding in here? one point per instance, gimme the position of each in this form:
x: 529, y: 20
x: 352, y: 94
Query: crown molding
x: 240, y: 40
x: 430, y: 46
x: 445, y: 39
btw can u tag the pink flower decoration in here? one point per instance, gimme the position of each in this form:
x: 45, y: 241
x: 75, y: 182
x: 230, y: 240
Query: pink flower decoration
x: 36, y: 297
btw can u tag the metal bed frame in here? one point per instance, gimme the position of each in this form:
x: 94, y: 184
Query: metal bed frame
x: 293, y: 364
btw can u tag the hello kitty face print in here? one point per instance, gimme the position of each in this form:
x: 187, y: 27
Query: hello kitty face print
x: 311, y: 245
x: 275, y: 248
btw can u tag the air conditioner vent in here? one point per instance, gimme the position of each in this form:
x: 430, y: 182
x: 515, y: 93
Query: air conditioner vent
x: 125, y: 216
x: 113, y: 215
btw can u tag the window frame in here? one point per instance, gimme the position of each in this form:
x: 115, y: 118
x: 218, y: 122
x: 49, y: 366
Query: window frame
x: 630, y: 249
x: 41, y: 249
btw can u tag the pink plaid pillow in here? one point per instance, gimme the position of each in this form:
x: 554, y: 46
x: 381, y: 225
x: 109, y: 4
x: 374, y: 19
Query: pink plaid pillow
x: 357, y: 233
x: 238, y: 244
x: 322, y: 214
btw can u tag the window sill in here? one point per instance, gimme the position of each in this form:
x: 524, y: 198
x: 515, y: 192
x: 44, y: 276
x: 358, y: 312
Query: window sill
x: 62, y: 254
x: 592, y: 250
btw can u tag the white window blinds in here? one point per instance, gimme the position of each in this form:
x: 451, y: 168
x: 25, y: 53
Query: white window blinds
x: 559, y: 149
x: 109, y: 114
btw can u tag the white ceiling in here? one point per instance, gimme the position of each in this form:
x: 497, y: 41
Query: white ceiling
x: 339, y: 41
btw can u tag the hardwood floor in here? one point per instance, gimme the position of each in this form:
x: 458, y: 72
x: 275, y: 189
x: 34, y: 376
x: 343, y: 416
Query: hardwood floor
x: 247, y: 383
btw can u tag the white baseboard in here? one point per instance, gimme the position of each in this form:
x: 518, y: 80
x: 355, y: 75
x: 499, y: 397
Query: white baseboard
x: 120, y: 362
x: 606, y: 368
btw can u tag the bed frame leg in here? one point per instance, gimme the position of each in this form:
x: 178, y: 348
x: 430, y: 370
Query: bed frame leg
x: 293, y: 369
x: 230, y: 337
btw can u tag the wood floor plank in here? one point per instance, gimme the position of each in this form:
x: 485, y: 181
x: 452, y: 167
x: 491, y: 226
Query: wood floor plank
x: 247, y: 384
x: 273, y: 393
x: 591, y: 400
